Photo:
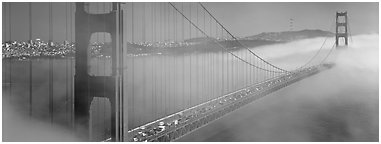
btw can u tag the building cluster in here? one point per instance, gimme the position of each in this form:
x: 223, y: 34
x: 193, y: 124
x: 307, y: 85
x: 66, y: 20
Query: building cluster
x: 36, y: 48
x: 39, y: 49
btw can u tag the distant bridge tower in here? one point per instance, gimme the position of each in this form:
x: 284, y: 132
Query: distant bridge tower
x: 341, y: 27
x: 87, y: 86
x: 291, y: 24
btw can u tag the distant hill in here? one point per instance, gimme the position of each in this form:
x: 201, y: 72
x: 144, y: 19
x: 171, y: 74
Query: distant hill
x: 287, y: 36
x: 204, y: 44
x: 200, y: 40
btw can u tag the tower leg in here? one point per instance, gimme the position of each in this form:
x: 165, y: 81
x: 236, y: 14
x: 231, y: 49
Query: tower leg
x: 86, y: 86
x: 81, y: 96
x: 346, y: 40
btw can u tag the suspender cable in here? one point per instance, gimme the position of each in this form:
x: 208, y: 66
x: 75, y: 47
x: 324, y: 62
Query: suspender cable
x: 164, y: 59
x: 4, y: 10
x: 169, y: 22
x: 164, y: 22
x: 144, y: 23
x: 166, y: 63
x: 211, y: 72
x: 166, y: 33
x: 161, y: 60
x: 255, y: 71
x: 197, y: 63
x: 133, y: 67
x: 10, y: 20
x: 183, y: 56
x: 171, y: 73
x: 207, y: 89
x: 30, y: 21
x: 197, y: 20
x: 169, y: 60
x: 190, y: 60
x: 152, y: 61
x: 222, y: 64
x: 175, y: 26
x: 250, y: 72
x: 10, y: 59
x: 160, y: 24
x: 154, y: 24
x: 214, y: 65
x: 235, y: 72
x: 71, y: 66
x: 152, y: 21
x: 175, y: 99
x: 247, y: 70
x: 67, y: 64
x: 144, y: 59
x: 30, y: 62
x: 51, y: 104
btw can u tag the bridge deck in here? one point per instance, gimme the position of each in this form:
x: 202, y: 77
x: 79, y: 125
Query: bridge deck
x: 184, y: 122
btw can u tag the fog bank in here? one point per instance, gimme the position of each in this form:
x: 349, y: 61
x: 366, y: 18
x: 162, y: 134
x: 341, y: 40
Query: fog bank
x: 340, y: 104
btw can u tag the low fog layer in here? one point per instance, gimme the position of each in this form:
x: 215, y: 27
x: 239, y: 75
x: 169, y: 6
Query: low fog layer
x: 20, y: 128
x: 340, y: 104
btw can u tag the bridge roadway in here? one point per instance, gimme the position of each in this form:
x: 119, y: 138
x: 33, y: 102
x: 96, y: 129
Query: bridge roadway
x: 184, y: 122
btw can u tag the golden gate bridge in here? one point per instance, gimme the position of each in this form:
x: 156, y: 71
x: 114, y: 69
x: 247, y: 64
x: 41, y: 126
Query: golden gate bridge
x: 138, y: 71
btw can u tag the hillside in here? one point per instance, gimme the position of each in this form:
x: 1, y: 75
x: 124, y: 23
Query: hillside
x: 287, y: 36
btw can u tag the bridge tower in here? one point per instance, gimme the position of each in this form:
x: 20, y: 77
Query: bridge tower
x: 341, y: 27
x: 87, y: 86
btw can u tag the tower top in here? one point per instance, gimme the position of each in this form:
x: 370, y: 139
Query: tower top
x: 341, y: 27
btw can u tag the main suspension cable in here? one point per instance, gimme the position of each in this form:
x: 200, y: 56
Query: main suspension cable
x: 283, y: 70
x: 321, y: 47
x: 221, y: 45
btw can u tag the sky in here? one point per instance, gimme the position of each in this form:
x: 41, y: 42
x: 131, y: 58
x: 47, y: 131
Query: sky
x: 273, y: 17
x: 240, y: 18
